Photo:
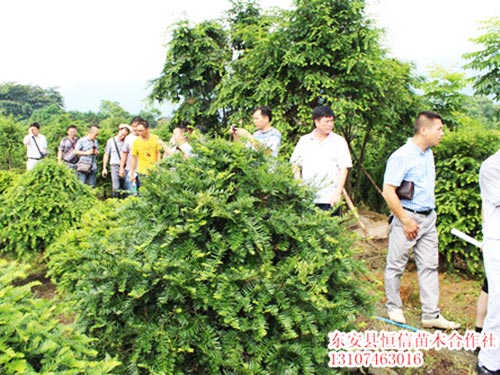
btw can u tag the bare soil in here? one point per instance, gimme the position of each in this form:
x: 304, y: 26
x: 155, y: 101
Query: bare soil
x: 458, y: 296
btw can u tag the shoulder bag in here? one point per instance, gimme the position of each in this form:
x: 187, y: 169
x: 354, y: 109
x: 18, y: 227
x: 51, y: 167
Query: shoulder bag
x: 84, y: 166
x: 405, y: 190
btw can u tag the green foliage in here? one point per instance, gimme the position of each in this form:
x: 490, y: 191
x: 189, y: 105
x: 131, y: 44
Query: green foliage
x: 21, y: 101
x: 110, y: 109
x: 151, y: 115
x: 40, y: 206
x: 11, y: 143
x: 223, y: 266
x: 483, y: 110
x: 443, y: 94
x: 458, y: 200
x: 7, y: 179
x: 33, y: 340
x: 486, y: 61
x: 163, y: 130
x: 194, y: 66
x: 319, y: 52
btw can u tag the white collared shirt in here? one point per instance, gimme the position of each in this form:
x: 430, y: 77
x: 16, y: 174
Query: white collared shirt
x: 320, y: 162
x: 127, y: 147
x: 32, y: 150
x: 489, y: 181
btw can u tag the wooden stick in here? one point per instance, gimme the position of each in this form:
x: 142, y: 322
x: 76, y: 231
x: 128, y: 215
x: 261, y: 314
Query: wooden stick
x: 355, y: 212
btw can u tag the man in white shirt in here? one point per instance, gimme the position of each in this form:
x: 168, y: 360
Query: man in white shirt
x: 489, y: 181
x: 321, y: 159
x: 36, y: 145
x: 112, y: 154
x: 181, y: 144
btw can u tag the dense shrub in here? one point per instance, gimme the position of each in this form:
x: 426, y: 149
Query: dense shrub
x: 13, y: 150
x: 39, y: 206
x: 223, y: 266
x: 458, y: 200
x: 33, y: 340
x: 7, y: 179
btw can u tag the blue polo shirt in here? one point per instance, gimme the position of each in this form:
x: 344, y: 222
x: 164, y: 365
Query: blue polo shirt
x: 410, y: 163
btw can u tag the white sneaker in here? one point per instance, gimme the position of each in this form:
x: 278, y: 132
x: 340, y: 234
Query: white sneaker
x: 440, y: 322
x: 397, y: 315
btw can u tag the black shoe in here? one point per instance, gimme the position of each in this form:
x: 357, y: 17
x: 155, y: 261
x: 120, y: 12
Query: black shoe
x: 481, y: 370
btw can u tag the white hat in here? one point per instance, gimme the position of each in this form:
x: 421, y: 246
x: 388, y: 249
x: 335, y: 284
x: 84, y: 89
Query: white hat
x: 121, y: 126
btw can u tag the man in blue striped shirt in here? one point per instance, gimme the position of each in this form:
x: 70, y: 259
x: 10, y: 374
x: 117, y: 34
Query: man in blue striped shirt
x: 413, y: 222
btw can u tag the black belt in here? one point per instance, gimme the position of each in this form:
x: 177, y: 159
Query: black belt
x: 426, y: 212
x: 35, y: 158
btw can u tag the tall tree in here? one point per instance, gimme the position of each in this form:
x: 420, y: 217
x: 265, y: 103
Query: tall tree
x: 21, y: 101
x: 443, y: 93
x: 319, y: 52
x: 487, y: 60
x: 484, y: 110
x: 195, y: 64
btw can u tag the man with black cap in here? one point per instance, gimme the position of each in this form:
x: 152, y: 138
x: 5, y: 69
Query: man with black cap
x: 36, y: 145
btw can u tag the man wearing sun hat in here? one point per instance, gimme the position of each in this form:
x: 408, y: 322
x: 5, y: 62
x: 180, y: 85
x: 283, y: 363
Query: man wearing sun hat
x: 112, y: 153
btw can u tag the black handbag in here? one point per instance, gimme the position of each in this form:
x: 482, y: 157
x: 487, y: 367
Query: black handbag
x: 406, y: 190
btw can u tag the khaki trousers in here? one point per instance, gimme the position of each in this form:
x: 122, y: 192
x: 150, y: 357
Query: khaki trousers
x: 425, y: 249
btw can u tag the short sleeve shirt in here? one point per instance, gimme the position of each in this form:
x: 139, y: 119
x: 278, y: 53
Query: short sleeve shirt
x: 270, y: 138
x: 85, y: 144
x: 67, y: 146
x: 489, y: 182
x: 410, y: 163
x: 146, y: 152
x: 111, y: 150
x: 127, y: 147
x: 32, y: 149
x: 186, y: 148
x: 320, y: 162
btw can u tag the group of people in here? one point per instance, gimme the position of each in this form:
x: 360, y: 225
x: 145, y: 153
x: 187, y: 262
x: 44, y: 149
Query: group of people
x: 130, y: 153
x: 321, y: 159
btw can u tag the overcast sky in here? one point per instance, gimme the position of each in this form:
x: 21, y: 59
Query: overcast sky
x: 109, y: 49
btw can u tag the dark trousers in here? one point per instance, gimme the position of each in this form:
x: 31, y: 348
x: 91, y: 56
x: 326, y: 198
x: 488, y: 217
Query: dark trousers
x: 328, y: 207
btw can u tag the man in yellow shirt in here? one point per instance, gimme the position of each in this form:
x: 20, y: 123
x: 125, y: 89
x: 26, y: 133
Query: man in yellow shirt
x: 145, y: 152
